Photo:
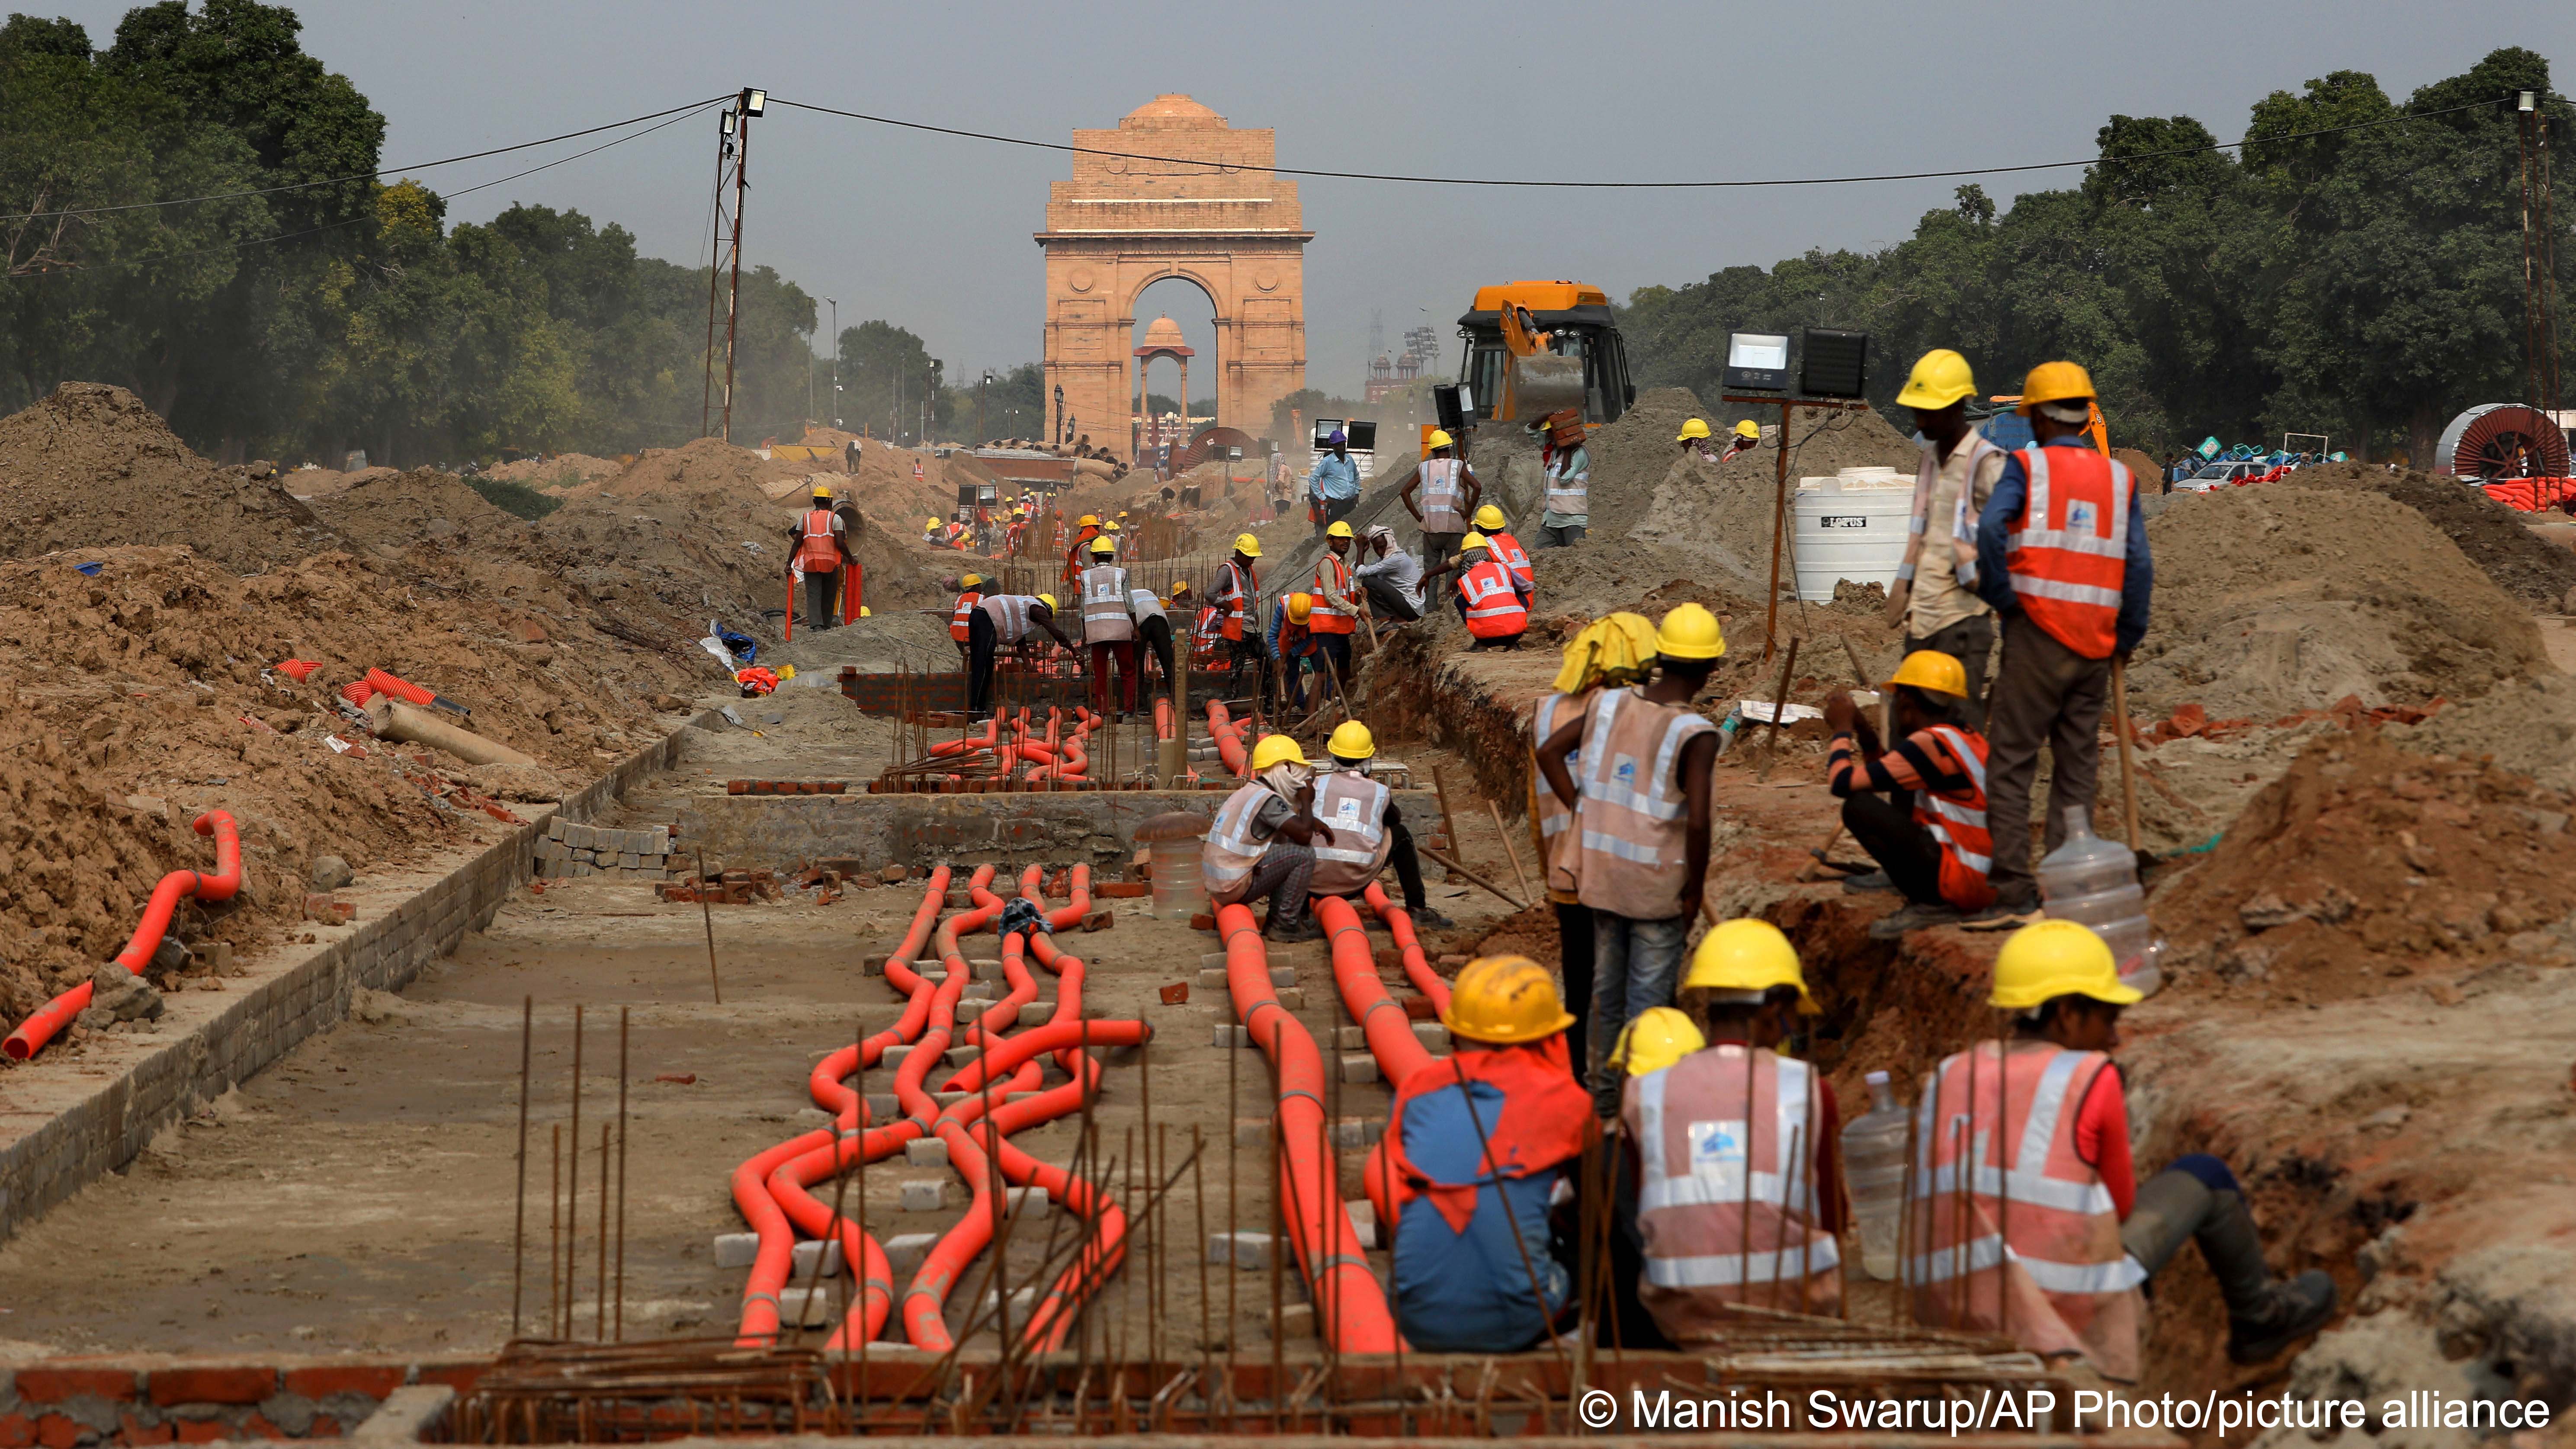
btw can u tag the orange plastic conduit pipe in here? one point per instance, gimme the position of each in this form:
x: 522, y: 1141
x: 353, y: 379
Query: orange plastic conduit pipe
x: 1381, y: 1017
x: 1417, y: 966
x: 1229, y: 740
x: 1162, y: 716
x: 1350, y: 1307
x: 178, y: 885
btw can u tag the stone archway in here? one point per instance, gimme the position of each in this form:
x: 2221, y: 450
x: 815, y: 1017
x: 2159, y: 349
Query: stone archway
x: 1210, y: 212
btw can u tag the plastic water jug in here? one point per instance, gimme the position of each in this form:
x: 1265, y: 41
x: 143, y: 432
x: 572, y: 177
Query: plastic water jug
x: 2095, y: 882
x: 1874, y: 1166
x: 1179, y: 890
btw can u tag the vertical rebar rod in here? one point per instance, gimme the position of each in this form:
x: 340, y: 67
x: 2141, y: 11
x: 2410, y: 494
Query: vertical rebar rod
x: 1278, y: 1394
x: 1198, y: 1203
x: 858, y: 1271
x: 707, y: 914
x: 618, y: 1320
x: 572, y: 1187
x: 599, y: 1304
x: 1233, y: 1217
x: 554, y: 1231
x: 1152, y: 1224
x: 519, y: 1214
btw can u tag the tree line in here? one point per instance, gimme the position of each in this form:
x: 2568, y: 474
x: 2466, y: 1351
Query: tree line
x: 2366, y: 284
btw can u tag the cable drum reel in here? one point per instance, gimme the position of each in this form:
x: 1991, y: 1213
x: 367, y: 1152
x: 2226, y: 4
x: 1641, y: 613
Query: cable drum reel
x: 2502, y: 440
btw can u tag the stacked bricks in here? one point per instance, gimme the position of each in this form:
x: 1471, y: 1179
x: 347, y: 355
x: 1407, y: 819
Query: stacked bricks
x: 787, y: 787
x: 94, y: 1401
x: 569, y: 851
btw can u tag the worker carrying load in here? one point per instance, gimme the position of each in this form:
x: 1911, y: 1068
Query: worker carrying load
x: 1262, y: 842
x: 1448, y: 490
x: 1932, y: 599
x: 1565, y: 466
x: 1918, y: 808
x: 1488, y: 599
x: 821, y: 543
x: 1238, y: 588
x: 998, y: 620
x: 1369, y: 833
x: 1109, y: 627
x: 1695, y: 442
x: 1392, y: 578
x: 1506, y: 550
x: 1611, y: 652
x: 1739, y: 1182
x: 970, y: 592
x: 1476, y: 1146
x: 2049, y: 1237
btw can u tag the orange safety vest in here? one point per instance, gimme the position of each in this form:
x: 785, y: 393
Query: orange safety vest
x: 1716, y: 1233
x: 1074, y: 556
x: 1506, y: 550
x: 1332, y: 581
x: 2010, y: 1231
x: 1234, y: 596
x: 817, y: 553
x: 1957, y: 820
x: 966, y: 603
x: 2068, y: 551
x: 1493, y: 606
x: 1630, y: 810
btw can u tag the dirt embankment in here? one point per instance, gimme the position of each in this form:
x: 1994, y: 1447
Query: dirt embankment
x: 2489, y: 534
x: 422, y: 506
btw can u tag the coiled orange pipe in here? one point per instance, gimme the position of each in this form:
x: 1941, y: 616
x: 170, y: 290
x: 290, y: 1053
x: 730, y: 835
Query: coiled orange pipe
x: 178, y: 885
x: 1229, y: 741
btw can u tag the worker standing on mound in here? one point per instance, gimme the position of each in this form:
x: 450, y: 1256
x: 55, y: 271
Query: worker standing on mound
x: 1369, y: 833
x: 1476, y: 1145
x: 1932, y: 600
x: 1641, y: 820
x: 2062, y: 556
x: 1337, y: 603
x: 1237, y: 589
x: 1392, y: 578
x: 1448, y: 490
x: 1611, y: 652
x: 1566, y: 466
x: 822, y: 543
x: 1506, y: 550
x: 2051, y: 1235
x: 998, y: 620
x: 1109, y: 627
x: 1739, y: 1178
x: 1488, y: 598
x: 1920, y: 808
x: 970, y: 592
x: 1333, y: 483
x: 1262, y: 842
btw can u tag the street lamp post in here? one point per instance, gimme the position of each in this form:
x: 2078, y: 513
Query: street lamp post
x: 983, y: 390
x: 836, y: 359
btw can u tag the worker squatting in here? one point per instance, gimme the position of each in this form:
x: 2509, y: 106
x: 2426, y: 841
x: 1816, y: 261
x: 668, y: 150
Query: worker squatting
x: 2023, y: 1214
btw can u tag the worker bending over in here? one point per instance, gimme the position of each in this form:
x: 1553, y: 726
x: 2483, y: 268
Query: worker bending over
x: 821, y: 540
x: 1392, y: 578
x: 1919, y: 809
x: 1293, y: 650
x: 1932, y: 600
x: 999, y: 620
x: 1447, y: 491
x: 1611, y: 652
x: 970, y: 592
x: 1476, y: 1145
x: 1369, y: 833
x: 1262, y: 842
x: 1506, y: 550
x: 1109, y: 627
x: 1566, y: 469
x: 1491, y: 602
x: 1154, y: 631
x: 1337, y: 603
x: 1641, y: 823
x: 2062, y: 556
x: 1237, y: 587
x: 1739, y: 1175
x: 2050, y: 1235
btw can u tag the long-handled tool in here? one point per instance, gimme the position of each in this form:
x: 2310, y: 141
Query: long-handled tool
x: 2128, y: 771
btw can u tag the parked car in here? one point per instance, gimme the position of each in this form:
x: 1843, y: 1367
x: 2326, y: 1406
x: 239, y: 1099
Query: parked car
x: 2221, y: 475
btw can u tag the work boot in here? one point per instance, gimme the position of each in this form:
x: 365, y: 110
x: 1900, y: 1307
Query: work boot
x: 1875, y: 880
x: 2264, y: 1314
x: 1916, y: 916
x: 1426, y: 919
x: 1304, y: 928
x: 2018, y: 909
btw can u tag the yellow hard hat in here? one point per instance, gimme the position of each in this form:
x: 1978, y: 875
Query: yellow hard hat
x: 1695, y: 428
x: 786, y: 671
x: 1749, y: 430
x: 1489, y: 519
x: 1352, y: 741
x: 1300, y: 605
x: 1180, y: 587
x: 1747, y: 955
x: 2054, y: 382
x: 1505, y: 1000
x: 822, y: 492
x: 1048, y: 600
x: 1246, y: 545
x: 970, y: 581
x: 1690, y: 631
x: 1276, y: 749
x: 1110, y: 527
x: 1340, y: 529
x: 1122, y: 513
x: 1439, y: 439
x: 1654, y: 1039
x: 1089, y: 521
x: 2047, y: 959
x: 930, y: 523
x: 1933, y: 670
x: 1103, y: 547
x: 1474, y: 540
x: 865, y: 612
x: 1940, y: 378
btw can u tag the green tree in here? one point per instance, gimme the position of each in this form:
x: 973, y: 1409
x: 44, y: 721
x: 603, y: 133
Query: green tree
x: 886, y: 376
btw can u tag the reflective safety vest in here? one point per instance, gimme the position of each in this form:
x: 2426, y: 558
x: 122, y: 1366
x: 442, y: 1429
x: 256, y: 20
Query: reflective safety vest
x: 1444, y: 496
x: 1010, y: 614
x: 1726, y: 1191
x: 1494, y: 609
x: 1081, y: 551
x: 1559, y: 854
x: 1354, y: 806
x: 1233, y: 597
x: 1506, y: 550
x: 1332, y: 613
x: 816, y: 553
x: 2068, y: 550
x: 1104, y: 605
x: 1232, y: 850
x: 1144, y: 604
x: 1569, y: 487
x: 2009, y: 1230
x: 1205, y: 635
x: 1956, y: 816
x: 1630, y: 809
x: 966, y: 603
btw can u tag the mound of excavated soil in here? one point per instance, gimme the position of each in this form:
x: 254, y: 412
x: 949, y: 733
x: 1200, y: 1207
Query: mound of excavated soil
x: 1723, y: 514
x: 909, y: 639
x: 2529, y: 726
x: 698, y: 466
x: 563, y: 470
x: 397, y: 510
x: 2491, y: 535
x: 90, y: 467
x: 2275, y: 599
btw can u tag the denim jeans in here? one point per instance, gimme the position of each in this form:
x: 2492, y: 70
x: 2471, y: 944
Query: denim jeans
x: 1635, y: 965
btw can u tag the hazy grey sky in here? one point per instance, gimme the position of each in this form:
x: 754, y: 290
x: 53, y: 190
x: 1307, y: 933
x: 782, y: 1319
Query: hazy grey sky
x: 933, y: 233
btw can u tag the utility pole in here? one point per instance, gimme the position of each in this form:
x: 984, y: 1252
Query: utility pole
x: 733, y: 153
x: 836, y: 359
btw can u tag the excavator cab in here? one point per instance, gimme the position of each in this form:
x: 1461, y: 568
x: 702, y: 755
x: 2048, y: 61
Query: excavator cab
x: 1535, y: 347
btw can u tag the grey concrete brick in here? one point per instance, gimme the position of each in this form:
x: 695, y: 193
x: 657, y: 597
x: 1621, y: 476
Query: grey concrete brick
x: 1248, y: 1251
x: 803, y: 1259
x: 904, y: 1251
x: 1359, y: 1067
x: 1433, y: 1036
x: 925, y: 1152
x: 736, y: 1250
x: 925, y: 1196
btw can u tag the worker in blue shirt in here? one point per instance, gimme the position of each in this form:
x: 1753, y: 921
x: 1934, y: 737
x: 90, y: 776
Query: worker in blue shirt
x: 1333, y: 483
x: 2062, y: 556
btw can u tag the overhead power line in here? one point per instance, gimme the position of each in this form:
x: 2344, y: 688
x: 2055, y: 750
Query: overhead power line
x: 777, y: 100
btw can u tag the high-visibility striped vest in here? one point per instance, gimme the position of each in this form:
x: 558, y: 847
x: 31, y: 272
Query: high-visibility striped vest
x: 1444, y: 496
x: 1010, y: 615
x: 1569, y: 482
x: 1354, y: 806
x: 1726, y: 1192
x: 816, y: 553
x: 1331, y: 614
x: 1144, y: 604
x: 1957, y: 819
x: 2008, y: 1230
x: 1506, y: 550
x: 1233, y: 596
x: 1557, y: 841
x: 1494, y: 608
x: 1105, y: 619
x: 1631, y: 812
x: 2068, y: 551
x: 966, y: 603
x: 1232, y: 850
